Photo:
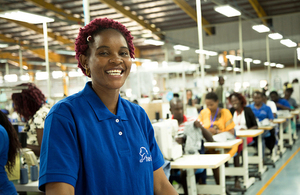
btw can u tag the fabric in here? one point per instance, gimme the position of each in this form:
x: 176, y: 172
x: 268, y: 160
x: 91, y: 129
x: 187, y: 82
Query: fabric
x: 263, y: 112
x: 194, y: 138
x: 6, y: 186
x: 223, y: 122
x: 97, y: 152
x: 182, y: 125
x: 272, y: 105
x: 36, y: 122
x: 283, y: 102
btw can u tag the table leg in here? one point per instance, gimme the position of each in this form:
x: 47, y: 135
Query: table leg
x: 191, y: 182
x: 222, y: 179
x: 245, y: 161
x: 295, y: 137
x: 280, y: 143
x: 290, y: 132
x: 260, y: 154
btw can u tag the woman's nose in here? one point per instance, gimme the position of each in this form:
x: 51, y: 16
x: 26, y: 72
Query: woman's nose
x: 116, y: 60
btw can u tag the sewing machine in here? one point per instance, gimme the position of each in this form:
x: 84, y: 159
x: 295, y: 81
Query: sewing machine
x: 164, y: 135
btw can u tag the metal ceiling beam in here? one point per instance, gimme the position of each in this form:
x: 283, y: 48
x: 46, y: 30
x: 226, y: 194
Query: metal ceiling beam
x: 129, y: 14
x: 53, y: 57
x: 259, y: 11
x: 9, y: 56
x: 56, y: 10
x: 54, y: 36
x: 189, y: 10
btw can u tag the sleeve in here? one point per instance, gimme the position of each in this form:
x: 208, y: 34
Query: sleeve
x: 2, y: 140
x: 60, y: 155
x: 229, y: 124
x: 287, y: 104
x: 269, y: 112
x: 203, y: 118
x: 157, y: 157
x: 252, y: 119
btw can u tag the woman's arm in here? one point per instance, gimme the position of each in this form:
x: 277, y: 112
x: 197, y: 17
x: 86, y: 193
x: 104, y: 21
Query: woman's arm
x: 59, y: 188
x: 206, y: 134
x: 37, y: 149
x: 161, y: 184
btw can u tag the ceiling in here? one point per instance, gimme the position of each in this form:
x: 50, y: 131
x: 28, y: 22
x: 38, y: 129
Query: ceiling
x: 173, y: 21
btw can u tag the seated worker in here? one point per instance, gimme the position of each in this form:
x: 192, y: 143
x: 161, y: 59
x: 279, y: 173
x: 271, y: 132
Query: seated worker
x: 189, y: 98
x: 217, y: 120
x: 190, y: 136
x: 287, y: 95
x: 263, y: 112
x: 281, y: 104
x: 243, y: 118
x: 270, y: 103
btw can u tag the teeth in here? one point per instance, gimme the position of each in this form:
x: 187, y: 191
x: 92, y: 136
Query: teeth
x: 114, y: 72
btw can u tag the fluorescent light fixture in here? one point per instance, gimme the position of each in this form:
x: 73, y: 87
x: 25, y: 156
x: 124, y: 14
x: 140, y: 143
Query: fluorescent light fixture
x: 298, y: 53
x: 24, y: 77
x: 232, y: 57
x: 227, y: 10
x: 25, y: 17
x: 181, y: 47
x: 275, y: 36
x: 41, y: 75
x: 3, y: 45
x: 237, y: 69
x: 273, y: 64
x: 229, y: 68
x: 11, y: 78
x: 77, y: 73
x: 288, y: 43
x: 65, y: 52
x: 206, y: 52
x: 154, y: 42
x: 248, y: 60
x: 150, y: 65
x: 279, y: 66
x: 256, y: 61
x: 221, y: 68
x: 261, y: 28
x: 266, y: 63
x: 57, y: 74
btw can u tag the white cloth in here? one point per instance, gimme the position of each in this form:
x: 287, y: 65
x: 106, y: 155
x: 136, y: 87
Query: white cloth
x: 193, y: 138
x: 272, y: 105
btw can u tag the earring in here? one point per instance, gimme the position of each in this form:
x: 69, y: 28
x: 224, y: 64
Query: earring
x: 88, y: 72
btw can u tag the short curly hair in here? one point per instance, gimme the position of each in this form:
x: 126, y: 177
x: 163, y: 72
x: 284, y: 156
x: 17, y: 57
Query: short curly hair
x: 28, y: 101
x: 240, y: 97
x: 94, y: 27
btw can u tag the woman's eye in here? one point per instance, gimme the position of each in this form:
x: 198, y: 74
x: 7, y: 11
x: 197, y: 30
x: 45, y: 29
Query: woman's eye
x: 103, y: 53
x: 124, y: 53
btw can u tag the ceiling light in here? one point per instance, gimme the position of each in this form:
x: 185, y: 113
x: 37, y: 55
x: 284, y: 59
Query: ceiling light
x: 65, y: 52
x: 229, y: 68
x: 77, y: 73
x: 11, y: 78
x: 41, y: 76
x: 57, y: 74
x: 261, y: 28
x: 25, y: 17
x: 248, y: 60
x: 298, y: 53
x: 275, y: 36
x: 266, y: 63
x: 273, y: 64
x: 24, y: 77
x: 206, y: 52
x: 256, y: 61
x: 237, y: 69
x: 227, y: 10
x: 154, y: 42
x: 2, y: 45
x: 288, y: 43
x: 177, y: 52
x: 207, y: 66
x: 279, y: 66
x: 233, y: 57
x: 181, y: 47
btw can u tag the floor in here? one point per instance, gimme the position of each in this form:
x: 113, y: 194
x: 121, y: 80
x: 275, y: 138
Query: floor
x: 284, y: 179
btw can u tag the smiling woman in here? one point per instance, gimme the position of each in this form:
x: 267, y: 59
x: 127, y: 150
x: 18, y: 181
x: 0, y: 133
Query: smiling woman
x: 101, y: 135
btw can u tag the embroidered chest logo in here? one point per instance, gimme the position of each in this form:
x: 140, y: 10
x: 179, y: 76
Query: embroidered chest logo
x: 145, y: 155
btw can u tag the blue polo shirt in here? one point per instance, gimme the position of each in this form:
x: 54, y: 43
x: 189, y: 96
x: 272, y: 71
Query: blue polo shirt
x: 97, y: 152
x: 6, y: 186
x: 263, y: 112
x: 283, y: 102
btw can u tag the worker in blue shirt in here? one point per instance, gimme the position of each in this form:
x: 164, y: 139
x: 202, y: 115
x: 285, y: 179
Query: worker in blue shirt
x: 262, y: 112
x: 281, y: 104
x: 96, y: 142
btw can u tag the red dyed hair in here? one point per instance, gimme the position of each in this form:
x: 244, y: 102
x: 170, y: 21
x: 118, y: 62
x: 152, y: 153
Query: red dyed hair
x: 94, y: 27
x: 28, y: 101
x: 240, y: 97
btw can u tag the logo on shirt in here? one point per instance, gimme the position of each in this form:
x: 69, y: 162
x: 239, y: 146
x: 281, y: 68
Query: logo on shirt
x: 145, y: 155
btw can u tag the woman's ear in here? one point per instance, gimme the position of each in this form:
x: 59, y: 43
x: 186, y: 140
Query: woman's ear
x: 83, y: 60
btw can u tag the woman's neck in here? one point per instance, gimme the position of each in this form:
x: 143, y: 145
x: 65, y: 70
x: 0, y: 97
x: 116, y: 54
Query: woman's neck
x: 258, y: 105
x: 239, y: 110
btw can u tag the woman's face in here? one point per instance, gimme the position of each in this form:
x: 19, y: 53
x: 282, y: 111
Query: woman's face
x: 236, y: 103
x: 109, y: 60
x: 211, y: 104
